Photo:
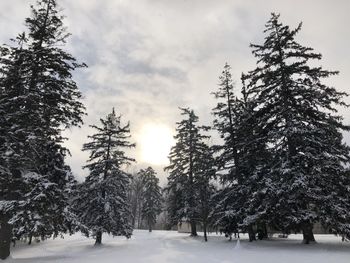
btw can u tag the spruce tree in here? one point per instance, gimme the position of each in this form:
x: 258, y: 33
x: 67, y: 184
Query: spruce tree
x: 252, y: 211
x: 242, y: 160
x: 186, y: 169
x: 228, y: 122
x: 102, y: 200
x: 151, y: 196
x: 205, y: 173
x: 226, y: 115
x: 135, y: 197
x: 38, y: 99
x: 12, y: 137
x: 297, y: 113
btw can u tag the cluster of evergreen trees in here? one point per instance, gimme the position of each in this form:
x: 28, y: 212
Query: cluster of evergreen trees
x: 145, y: 198
x: 39, y: 197
x: 104, y: 202
x: 190, y: 171
x: 282, y: 163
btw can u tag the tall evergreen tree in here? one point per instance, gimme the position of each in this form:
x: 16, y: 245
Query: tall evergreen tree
x: 297, y: 113
x: 228, y: 122
x: 38, y: 99
x: 151, y: 195
x: 185, y: 170
x: 226, y: 115
x: 242, y: 159
x: 102, y: 200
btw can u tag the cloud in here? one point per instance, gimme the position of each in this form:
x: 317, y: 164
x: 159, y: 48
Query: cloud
x: 148, y: 57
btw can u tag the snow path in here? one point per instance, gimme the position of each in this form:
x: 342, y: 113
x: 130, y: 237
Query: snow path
x: 173, y: 247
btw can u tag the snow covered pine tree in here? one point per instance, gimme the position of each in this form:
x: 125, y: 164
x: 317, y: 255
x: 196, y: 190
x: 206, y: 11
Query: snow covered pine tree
x: 296, y: 112
x: 205, y: 171
x: 237, y: 158
x: 151, y: 196
x: 135, y: 199
x: 38, y: 98
x: 187, y: 171
x: 102, y: 200
x: 226, y: 112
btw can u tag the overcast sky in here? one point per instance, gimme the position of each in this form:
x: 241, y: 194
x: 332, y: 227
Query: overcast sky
x: 148, y: 57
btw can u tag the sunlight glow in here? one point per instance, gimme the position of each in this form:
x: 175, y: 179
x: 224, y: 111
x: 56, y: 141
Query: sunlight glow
x: 155, y: 143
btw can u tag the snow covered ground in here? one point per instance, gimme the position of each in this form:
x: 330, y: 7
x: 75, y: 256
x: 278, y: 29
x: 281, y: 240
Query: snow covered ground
x: 170, y: 246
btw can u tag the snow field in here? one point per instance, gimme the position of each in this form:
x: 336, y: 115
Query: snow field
x: 173, y: 247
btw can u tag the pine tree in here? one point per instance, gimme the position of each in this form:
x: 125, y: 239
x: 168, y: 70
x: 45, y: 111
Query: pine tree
x: 12, y: 137
x: 228, y: 122
x: 135, y: 197
x: 38, y: 99
x: 243, y: 159
x: 151, y: 195
x: 185, y: 169
x: 226, y: 119
x: 205, y: 172
x: 102, y: 200
x: 296, y: 112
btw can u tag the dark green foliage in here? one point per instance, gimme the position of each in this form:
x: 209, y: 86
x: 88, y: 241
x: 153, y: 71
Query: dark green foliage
x: 102, y: 200
x: 306, y: 180
x: 151, y: 205
x: 232, y: 121
x: 135, y: 199
x: 190, y: 170
x: 227, y: 114
x: 205, y: 173
x: 38, y: 99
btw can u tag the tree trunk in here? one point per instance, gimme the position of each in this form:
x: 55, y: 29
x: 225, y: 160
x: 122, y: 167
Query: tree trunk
x: 266, y: 234
x: 30, y: 239
x: 251, y: 234
x: 193, y: 228
x: 139, y: 217
x: 205, y: 232
x: 262, y: 231
x: 149, y: 226
x: 308, y: 235
x: 5, y: 239
x: 134, y: 211
x: 98, y: 238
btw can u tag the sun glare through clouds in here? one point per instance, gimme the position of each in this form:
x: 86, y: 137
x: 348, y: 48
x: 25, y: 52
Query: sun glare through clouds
x: 155, y: 143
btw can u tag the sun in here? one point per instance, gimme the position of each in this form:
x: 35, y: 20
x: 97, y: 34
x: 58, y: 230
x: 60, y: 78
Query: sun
x: 155, y: 143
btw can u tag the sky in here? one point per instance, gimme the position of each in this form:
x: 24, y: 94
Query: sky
x: 146, y: 58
